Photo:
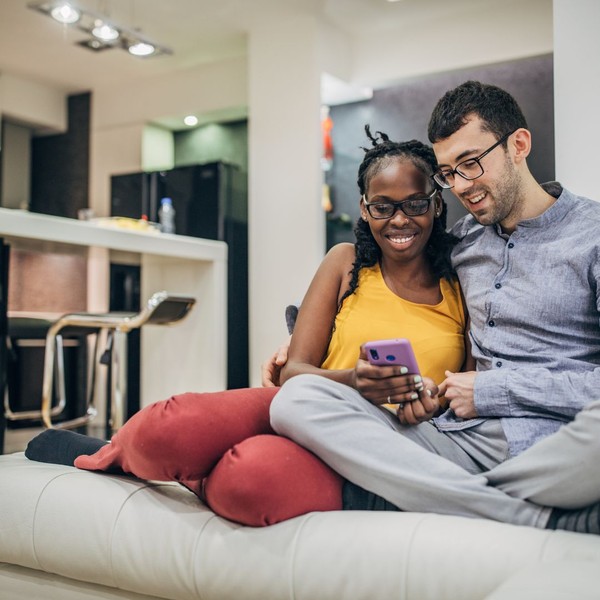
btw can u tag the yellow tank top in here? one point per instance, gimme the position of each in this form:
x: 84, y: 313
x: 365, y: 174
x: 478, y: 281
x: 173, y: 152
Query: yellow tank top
x: 374, y: 312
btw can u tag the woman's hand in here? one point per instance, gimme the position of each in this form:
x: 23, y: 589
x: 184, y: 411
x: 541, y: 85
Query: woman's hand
x: 422, y: 409
x: 387, y: 384
x: 416, y: 396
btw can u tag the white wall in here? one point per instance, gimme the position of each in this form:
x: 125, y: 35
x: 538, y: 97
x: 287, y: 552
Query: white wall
x: 481, y: 32
x: 40, y: 106
x: 286, y: 223
x: 577, y: 94
x: 203, y: 89
x: 158, y: 149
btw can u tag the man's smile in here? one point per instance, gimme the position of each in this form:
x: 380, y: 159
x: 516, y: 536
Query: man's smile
x: 474, y: 199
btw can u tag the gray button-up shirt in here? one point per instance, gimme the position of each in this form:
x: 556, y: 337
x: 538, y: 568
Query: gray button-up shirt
x: 534, y: 302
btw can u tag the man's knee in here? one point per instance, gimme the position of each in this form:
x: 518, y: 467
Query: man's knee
x: 293, y: 401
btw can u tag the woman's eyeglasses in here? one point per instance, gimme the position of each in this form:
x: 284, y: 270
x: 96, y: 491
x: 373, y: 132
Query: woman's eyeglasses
x: 414, y: 207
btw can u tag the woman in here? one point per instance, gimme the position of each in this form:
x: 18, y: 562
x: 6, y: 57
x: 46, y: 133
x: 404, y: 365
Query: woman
x: 395, y: 282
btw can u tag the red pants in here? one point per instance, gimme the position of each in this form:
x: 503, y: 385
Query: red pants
x: 221, y: 446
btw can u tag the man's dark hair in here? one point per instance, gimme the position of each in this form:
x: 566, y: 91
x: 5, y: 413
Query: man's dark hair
x: 497, y: 109
x: 383, y: 151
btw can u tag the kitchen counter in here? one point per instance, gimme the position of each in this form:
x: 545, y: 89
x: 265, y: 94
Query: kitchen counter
x: 189, y: 356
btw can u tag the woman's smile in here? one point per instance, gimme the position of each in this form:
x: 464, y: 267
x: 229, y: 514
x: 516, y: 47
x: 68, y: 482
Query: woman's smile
x: 401, y: 239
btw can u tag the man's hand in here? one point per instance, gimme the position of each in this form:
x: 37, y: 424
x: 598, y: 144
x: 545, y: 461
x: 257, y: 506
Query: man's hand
x: 458, y: 388
x: 271, y: 369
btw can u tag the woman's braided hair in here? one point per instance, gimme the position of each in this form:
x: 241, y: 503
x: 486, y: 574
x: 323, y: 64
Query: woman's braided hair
x: 377, y: 158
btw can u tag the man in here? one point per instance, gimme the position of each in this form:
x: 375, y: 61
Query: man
x: 520, y: 439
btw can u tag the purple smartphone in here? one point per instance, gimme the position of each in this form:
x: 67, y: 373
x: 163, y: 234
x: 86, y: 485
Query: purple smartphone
x: 392, y: 352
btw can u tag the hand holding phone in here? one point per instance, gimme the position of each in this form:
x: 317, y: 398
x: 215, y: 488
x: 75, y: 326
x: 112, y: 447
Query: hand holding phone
x: 392, y: 352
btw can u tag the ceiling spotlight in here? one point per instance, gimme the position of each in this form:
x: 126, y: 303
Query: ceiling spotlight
x: 105, y: 32
x: 65, y: 13
x: 190, y: 120
x: 141, y: 49
x: 99, y: 34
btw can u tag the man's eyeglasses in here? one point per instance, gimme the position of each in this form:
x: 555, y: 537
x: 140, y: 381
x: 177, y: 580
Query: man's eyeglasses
x: 468, y: 169
x: 416, y: 206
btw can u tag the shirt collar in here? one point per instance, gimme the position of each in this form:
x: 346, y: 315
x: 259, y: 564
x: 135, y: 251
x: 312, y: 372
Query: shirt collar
x: 553, y: 213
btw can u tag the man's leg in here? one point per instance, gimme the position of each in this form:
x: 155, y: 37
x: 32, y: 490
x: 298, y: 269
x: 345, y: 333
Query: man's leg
x: 416, y: 468
x: 560, y: 471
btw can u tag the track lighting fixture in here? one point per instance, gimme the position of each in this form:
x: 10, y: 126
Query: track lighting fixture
x: 103, y: 34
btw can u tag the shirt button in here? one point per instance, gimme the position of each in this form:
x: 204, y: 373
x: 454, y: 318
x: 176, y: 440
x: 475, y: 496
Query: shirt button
x: 511, y: 245
x: 499, y: 363
x: 498, y: 286
x: 491, y: 323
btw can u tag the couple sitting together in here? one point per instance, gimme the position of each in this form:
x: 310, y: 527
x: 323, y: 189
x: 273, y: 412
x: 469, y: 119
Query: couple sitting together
x: 504, y: 420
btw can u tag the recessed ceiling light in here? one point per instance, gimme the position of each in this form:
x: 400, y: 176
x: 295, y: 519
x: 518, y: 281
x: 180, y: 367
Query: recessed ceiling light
x: 65, y: 13
x: 105, y: 32
x: 141, y: 49
x: 191, y: 120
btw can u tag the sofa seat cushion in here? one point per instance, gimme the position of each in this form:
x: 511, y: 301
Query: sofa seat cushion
x: 158, y: 539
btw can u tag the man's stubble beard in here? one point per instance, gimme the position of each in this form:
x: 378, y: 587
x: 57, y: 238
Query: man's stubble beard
x: 507, y: 198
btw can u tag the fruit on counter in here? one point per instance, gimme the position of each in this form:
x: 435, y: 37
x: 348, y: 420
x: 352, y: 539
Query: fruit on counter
x: 127, y: 223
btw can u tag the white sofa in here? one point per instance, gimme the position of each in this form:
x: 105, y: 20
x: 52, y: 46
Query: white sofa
x: 68, y: 534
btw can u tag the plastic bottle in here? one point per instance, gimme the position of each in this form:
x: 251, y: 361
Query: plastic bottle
x: 166, y: 216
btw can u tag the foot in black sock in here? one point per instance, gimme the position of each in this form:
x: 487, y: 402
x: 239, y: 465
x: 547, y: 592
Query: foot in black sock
x: 61, y: 447
x: 356, y: 498
x: 580, y: 520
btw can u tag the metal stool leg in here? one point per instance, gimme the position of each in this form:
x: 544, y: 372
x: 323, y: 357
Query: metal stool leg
x: 47, y: 412
x: 118, y: 395
x: 58, y: 385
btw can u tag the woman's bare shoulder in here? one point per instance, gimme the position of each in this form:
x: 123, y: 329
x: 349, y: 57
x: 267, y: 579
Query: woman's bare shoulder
x: 342, y: 253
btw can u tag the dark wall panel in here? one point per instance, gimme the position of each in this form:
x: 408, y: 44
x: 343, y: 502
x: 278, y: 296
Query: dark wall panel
x: 60, y: 164
x: 403, y: 113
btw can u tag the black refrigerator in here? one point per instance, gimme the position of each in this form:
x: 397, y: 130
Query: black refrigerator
x: 210, y: 201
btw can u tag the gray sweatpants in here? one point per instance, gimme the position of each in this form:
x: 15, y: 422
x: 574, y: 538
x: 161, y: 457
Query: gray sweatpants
x: 422, y: 469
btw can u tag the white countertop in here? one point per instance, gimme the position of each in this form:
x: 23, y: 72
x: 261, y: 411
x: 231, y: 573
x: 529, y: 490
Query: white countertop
x: 34, y: 226
x: 175, y: 359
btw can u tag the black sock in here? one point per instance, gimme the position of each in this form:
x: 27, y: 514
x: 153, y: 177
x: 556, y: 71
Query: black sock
x: 356, y: 498
x: 580, y: 520
x: 61, y: 447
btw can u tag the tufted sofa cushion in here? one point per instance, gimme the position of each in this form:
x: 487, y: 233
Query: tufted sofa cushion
x: 158, y: 540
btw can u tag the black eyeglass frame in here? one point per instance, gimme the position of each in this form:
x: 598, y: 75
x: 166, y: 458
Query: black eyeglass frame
x: 399, y: 205
x: 443, y: 175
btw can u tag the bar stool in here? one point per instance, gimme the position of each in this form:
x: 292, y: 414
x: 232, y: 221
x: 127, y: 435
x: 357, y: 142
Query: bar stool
x: 26, y: 331
x: 161, y: 309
